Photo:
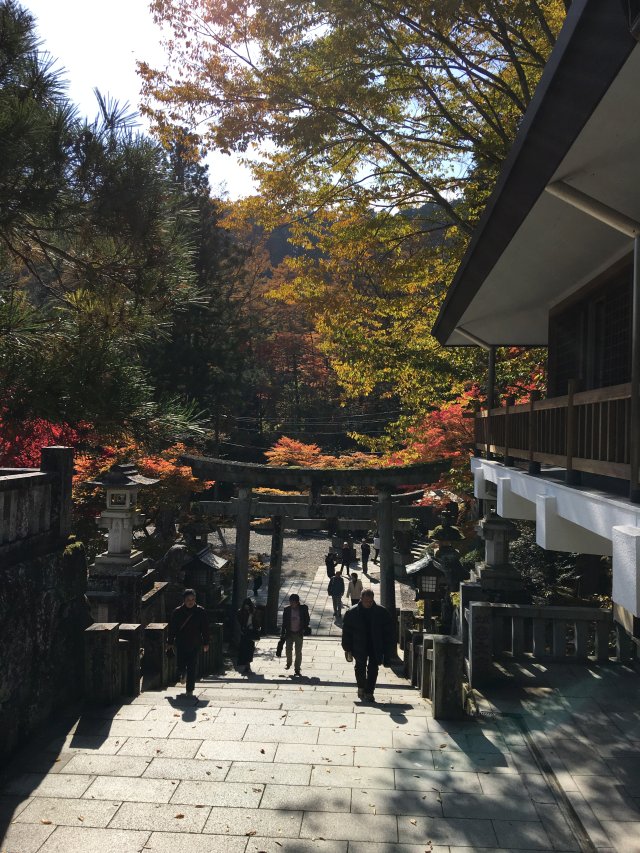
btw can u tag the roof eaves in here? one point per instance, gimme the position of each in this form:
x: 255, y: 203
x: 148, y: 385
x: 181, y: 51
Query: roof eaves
x: 592, y: 46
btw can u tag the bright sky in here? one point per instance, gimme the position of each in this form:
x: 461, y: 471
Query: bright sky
x: 97, y: 44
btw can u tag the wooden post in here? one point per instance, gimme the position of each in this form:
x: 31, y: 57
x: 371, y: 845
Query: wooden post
x: 634, y: 431
x: 491, y: 397
x: 491, y: 379
x: 508, y: 461
x: 572, y: 478
x: 241, y: 562
x: 275, y: 573
x: 534, y: 467
x: 385, y: 531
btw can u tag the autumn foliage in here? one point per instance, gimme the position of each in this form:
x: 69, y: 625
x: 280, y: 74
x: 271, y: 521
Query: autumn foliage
x: 20, y: 444
x: 293, y: 453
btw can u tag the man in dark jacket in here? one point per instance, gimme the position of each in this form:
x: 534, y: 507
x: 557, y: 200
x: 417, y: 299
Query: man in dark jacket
x: 336, y: 590
x: 365, y: 549
x: 188, y: 631
x: 368, y: 636
x: 295, y: 624
x: 330, y: 563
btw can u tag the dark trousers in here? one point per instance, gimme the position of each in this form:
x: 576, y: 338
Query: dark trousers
x: 365, y: 565
x: 187, y: 663
x: 366, y: 674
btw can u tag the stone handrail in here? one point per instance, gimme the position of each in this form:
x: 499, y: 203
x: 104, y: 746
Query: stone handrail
x: 542, y: 633
x: 121, y: 660
x: 35, y: 506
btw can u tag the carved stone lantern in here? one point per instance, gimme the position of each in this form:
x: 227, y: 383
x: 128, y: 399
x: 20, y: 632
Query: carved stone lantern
x: 121, y: 484
x: 497, y: 533
x: 500, y: 580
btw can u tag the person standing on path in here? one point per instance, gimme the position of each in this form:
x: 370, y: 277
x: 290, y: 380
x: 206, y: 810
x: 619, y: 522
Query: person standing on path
x: 188, y: 632
x: 345, y: 556
x: 376, y: 548
x: 365, y: 550
x: 336, y: 591
x: 368, y: 637
x: 354, y: 590
x: 330, y: 563
x: 295, y: 625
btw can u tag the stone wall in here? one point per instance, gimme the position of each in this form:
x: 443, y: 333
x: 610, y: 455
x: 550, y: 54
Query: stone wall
x: 43, y: 613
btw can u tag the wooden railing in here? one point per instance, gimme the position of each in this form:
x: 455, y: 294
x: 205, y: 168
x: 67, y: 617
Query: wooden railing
x: 581, y: 431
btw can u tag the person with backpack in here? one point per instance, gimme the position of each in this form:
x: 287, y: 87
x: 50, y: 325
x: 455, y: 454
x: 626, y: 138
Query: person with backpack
x: 336, y: 591
x: 188, y: 633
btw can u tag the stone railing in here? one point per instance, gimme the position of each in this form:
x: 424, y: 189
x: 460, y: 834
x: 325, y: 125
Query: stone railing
x: 434, y: 663
x: 516, y: 631
x: 35, y: 506
x: 121, y: 660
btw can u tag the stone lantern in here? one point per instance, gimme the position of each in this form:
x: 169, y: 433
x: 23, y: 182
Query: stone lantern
x: 497, y: 532
x: 497, y: 577
x: 121, y: 484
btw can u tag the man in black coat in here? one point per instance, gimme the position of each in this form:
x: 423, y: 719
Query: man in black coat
x: 295, y: 624
x: 368, y: 636
x: 188, y: 631
x: 336, y: 590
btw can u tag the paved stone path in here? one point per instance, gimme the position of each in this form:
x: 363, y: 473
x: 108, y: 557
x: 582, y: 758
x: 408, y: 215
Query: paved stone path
x: 285, y: 765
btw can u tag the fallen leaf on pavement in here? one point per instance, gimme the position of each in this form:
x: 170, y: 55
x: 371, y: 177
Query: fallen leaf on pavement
x: 252, y: 832
x: 46, y: 822
x: 262, y: 751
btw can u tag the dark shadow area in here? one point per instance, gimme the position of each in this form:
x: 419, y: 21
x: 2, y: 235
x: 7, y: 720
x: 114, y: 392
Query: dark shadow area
x: 188, y: 706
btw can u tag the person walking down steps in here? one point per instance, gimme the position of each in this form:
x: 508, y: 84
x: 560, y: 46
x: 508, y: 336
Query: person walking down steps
x: 354, y: 590
x: 188, y: 631
x: 345, y: 556
x: 368, y: 637
x: 336, y: 590
x: 295, y: 626
x: 246, y: 645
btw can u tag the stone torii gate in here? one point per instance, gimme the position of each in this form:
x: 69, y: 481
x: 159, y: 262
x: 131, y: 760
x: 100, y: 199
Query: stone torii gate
x: 311, y: 511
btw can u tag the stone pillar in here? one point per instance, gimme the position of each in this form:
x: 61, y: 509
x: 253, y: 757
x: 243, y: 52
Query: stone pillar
x: 155, y: 661
x: 59, y: 461
x: 480, y: 642
x: 426, y: 686
x: 447, y: 698
x: 385, y: 531
x: 275, y: 572
x: 101, y: 658
x: 241, y: 563
x: 132, y: 634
